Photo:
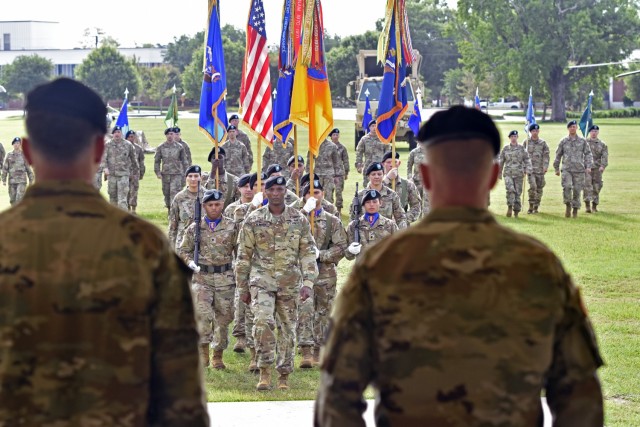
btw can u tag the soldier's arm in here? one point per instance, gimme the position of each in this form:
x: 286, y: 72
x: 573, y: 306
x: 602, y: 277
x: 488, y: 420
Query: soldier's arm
x: 410, y: 161
x: 246, y: 162
x: 546, y: 157
x: 588, y: 156
x: 604, y: 162
x: 336, y: 162
x: 184, y: 160
x: 266, y: 157
x: 528, y: 167
x: 306, y: 165
x: 250, y: 152
x: 345, y: 161
x: 415, y: 203
x: 246, y: 243
x: 347, y: 360
x: 157, y: 158
x: 337, y: 245
x: 174, y: 220
x: 188, y: 245
x: 30, y: 175
x: 398, y: 213
x: 5, y: 170
x: 359, y: 153
x: 143, y: 168
x: 350, y: 239
x: 135, y: 167
x: 501, y: 160
x: 307, y: 255
x: 559, y: 153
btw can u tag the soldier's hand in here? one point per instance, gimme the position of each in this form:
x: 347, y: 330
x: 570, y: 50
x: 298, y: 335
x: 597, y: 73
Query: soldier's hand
x: 336, y: 180
x: 257, y: 200
x: 246, y: 298
x: 557, y: 173
x: 159, y: 176
x: 310, y: 204
x: 544, y: 171
x: 392, y: 174
x: 305, y: 293
x: 295, y: 174
x: 192, y: 265
x: 359, y: 169
x: 355, y: 248
x: 588, y: 170
x: 601, y: 169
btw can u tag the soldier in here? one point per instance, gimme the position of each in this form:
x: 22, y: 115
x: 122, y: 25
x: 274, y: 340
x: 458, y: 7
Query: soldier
x: 576, y: 159
x: 246, y: 194
x: 3, y: 153
x: 327, y: 166
x: 234, y: 120
x: 371, y: 148
x: 97, y: 179
x: 226, y: 182
x: 295, y: 174
x: 279, y: 155
x: 371, y: 227
x: 17, y: 170
x: 104, y: 332
x: 237, y: 158
x: 409, y: 197
x: 277, y: 170
x: 459, y: 321
x: 539, y: 154
x: 593, y: 181
x: 343, y: 173
x: 183, y: 206
x: 273, y: 239
x: 120, y: 162
x: 213, y: 283
x: 390, y: 207
x: 417, y: 157
x: 134, y: 179
x: 177, y: 137
x: 514, y: 164
x: 169, y: 165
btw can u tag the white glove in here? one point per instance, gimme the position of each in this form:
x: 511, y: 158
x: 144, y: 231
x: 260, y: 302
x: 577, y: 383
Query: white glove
x: 392, y: 174
x: 317, y: 253
x: 194, y: 267
x: 355, y: 248
x: 310, y: 204
x: 257, y: 200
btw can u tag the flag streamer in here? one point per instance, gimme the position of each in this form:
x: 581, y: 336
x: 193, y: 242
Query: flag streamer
x: 286, y: 68
x: 123, y: 116
x: 586, y: 121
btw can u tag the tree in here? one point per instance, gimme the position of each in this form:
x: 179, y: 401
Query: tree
x: 180, y: 51
x: 109, y: 73
x: 633, y: 85
x: 157, y: 82
x: 26, y: 72
x: 533, y: 42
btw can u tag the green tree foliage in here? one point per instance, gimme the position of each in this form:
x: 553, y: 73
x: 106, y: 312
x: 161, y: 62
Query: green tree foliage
x: 158, y: 82
x: 532, y: 42
x: 180, y: 50
x: 109, y: 73
x: 26, y: 72
x: 633, y: 85
x: 342, y: 66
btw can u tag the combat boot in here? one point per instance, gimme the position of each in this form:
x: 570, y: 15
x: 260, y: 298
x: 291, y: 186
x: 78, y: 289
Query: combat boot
x: 594, y: 207
x: 567, y: 212
x: 509, y: 212
x: 216, y: 361
x: 531, y: 208
x: 575, y: 212
x: 264, y: 383
x: 253, y: 365
x: 241, y: 343
x: 204, y: 355
x: 316, y: 356
x: 515, y: 213
x: 307, y: 359
x: 535, y: 209
x: 283, y: 382
x: 587, y: 206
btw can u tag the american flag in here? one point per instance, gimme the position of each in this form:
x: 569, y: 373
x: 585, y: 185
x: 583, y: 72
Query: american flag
x: 255, y: 91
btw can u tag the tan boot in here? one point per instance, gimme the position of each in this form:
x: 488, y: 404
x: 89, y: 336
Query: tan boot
x: 264, y: 383
x: 316, y: 356
x: 253, y: 365
x: 204, y: 355
x: 594, y: 207
x: 531, y: 208
x: 241, y: 343
x: 216, y: 361
x: 567, y: 212
x: 283, y: 382
x: 575, y: 212
x: 509, y: 212
x: 587, y: 206
x: 307, y: 359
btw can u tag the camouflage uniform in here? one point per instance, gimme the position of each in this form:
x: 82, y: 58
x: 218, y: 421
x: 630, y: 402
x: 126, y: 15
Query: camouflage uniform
x: 462, y: 327
x: 389, y: 206
x: 328, y: 207
x: 121, y: 162
x: 410, y: 199
x: 278, y: 156
x: 576, y: 156
x: 244, y: 138
x: 99, y: 322
x: 236, y: 159
x: 275, y: 255
x: 228, y: 186
x: 369, y: 235
x: 514, y: 164
x: 342, y: 174
x: 213, y: 290
x: 181, y: 215
x: 417, y: 156
x: 538, y: 151
x: 327, y: 166
x: 593, y: 182
x: 97, y: 179
x: 174, y: 164
x: 134, y: 179
x: 2, y: 154
x: 16, y: 170
x: 372, y: 150
x: 187, y: 152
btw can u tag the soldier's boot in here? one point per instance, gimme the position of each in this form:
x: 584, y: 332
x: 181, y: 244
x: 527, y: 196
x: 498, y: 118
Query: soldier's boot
x: 307, y: 359
x: 253, y: 365
x: 283, y: 383
x: 216, y: 360
x: 587, y: 206
x: 316, y: 356
x: 532, y: 208
x: 535, y: 208
x: 575, y: 212
x: 241, y: 343
x: 567, y: 212
x: 264, y: 383
x: 204, y: 355
x: 509, y: 211
x: 594, y: 207
x: 515, y: 213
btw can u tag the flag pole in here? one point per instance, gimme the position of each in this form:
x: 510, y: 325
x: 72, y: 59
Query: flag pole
x: 215, y: 139
x: 311, y: 188
x: 393, y: 159
x: 259, y: 163
x: 295, y: 157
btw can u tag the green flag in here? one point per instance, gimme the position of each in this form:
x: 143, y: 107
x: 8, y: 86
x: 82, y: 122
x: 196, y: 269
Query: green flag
x: 171, y: 119
x: 586, y: 120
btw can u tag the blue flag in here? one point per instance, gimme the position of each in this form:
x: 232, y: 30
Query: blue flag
x: 416, y: 119
x: 366, y: 117
x: 586, y: 121
x: 282, y: 107
x: 476, y: 102
x: 530, y: 117
x: 123, y: 117
x: 213, y: 107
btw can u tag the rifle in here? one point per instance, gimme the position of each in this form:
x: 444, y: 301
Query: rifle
x: 197, y: 213
x: 357, y: 210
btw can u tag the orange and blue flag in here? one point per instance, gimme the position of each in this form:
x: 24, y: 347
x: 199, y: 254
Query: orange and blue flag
x: 286, y: 68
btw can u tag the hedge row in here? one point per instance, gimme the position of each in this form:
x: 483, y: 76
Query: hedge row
x: 609, y: 114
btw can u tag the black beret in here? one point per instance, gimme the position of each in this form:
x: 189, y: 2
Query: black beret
x: 293, y: 158
x: 534, y: 126
x: 16, y: 140
x: 273, y: 169
x: 335, y: 130
x: 68, y: 97
x: 305, y: 178
x: 167, y: 130
x: 231, y: 127
x: 212, y: 195
x: 375, y: 166
x: 254, y: 178
x: 593, y: 127
x: 176, y: 129
x: 307, y: 188
x: 115, y: 128
x: 193, y: 169
x: 372, y: 122
x: 513, y: 133
x: 459, y: 123
x: 212, y: 154
x: 244, y: 180
x: 387, y: 156
x: 370, y: 195
x: 129, y: 133
x: 275, y: 180
x: 234, y: 117
x: 571, y: 123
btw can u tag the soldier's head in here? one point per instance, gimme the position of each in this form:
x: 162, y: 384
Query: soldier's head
x: 253, y: 182
x: 461, y: 144
x: 375, y: 173
x: 371, y: 201
x: 534, y: 130
x: 572, y: 127
x: 17, y: 144
x: 274, y: 170
x: 335, y: 135
x: 212, y: 154
x: 170, y: 134
x: 177, y: 136
x: 305, y: 179
x: 594, y: 130
x: 291, y: 163
x: 116, y: 133
x: 318, y: 192
x: 213, y: 204
x: 246, y: 188
x: 372, y: 126
x: 65, y: 122
x: 234, y: 120
x: 130, y: 136
x: 513, y: 137
x: 387, y: 161
x: 193, y: 176
x: 232, y: 132
x: 276, y: 189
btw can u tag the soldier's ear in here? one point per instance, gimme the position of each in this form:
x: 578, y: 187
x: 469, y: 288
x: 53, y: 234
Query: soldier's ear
x: 424, y: 175
x: 98, y: 149
x: 495, y: 173
x: 26, y: 150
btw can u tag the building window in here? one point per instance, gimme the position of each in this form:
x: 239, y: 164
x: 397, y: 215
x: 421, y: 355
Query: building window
x: 7, y: 41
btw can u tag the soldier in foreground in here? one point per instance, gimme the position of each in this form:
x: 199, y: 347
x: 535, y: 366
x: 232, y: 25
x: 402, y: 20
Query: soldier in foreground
x: 183, y: 206
x: 16, y: 171
x: 96, y: 307
x: 514, y: 165
x: 120, y: 162
x: 169, y: 165
x: 593, y: 181
x: 468, y: 321
x: 135, y: 178
x: 539, y: 155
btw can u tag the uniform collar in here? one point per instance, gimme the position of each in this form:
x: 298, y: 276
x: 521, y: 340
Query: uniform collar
x: 61, y: 188
x: 459, y: 214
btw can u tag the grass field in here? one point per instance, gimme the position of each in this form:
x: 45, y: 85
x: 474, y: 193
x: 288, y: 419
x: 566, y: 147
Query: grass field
x: 601, y: 251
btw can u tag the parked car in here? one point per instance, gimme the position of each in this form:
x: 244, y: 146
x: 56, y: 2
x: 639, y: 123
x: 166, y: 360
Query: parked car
x: 506, y: 104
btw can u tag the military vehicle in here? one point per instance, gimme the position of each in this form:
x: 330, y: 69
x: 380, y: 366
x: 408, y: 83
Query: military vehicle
x: 370, y: 80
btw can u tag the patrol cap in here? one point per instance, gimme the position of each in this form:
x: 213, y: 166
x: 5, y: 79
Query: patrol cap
x: 387, y: 156
x: 458, y: 123
x: 334, y: 130
x: 307, y: 188
x: 372, y: 122
x: 212, y: 195
x: 534, y: 126
x: 16, y: 140
x: 571, y: 123
x: 231, y: 127
x: 275, y: 180
x: 370, y: 195
x: 513, y: 133
x: 244, y: 180
x: 116, y: 128
x: 293, y: 158
x: 305, y: 178
x: 176, y: 129
x: 375, y: 166
x: 129, y: 133
x: 254, y: 178
x: 212, y: 154
x: 167, y: 130
x: 234, y: 117
x: 275, y: 168
x: 70, y: 98
x: 594, y: 127
x: 193, y: 169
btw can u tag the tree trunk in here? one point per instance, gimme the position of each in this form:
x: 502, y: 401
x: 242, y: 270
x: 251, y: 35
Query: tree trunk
x: 558, y: 84
x: 544, y: 111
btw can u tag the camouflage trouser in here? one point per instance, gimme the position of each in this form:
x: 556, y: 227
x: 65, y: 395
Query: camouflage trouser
x: 339, y: 189
x: 118, y: 188
x: 592, y: 186
x: 513, y: 184
x: 265, y: 306
x: 97, y: 180
x: 365, y: 180
x: 324, y: 294
x: 327, y: 187
x: 306, y: 315
x: 536, y: 185
x: 213, y: 294
x: 243, y: 321
x: 171, y: 185
x: 16, y: 192
x: 426, y: 205
x: 572, y: 185
x: 134, y: 186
